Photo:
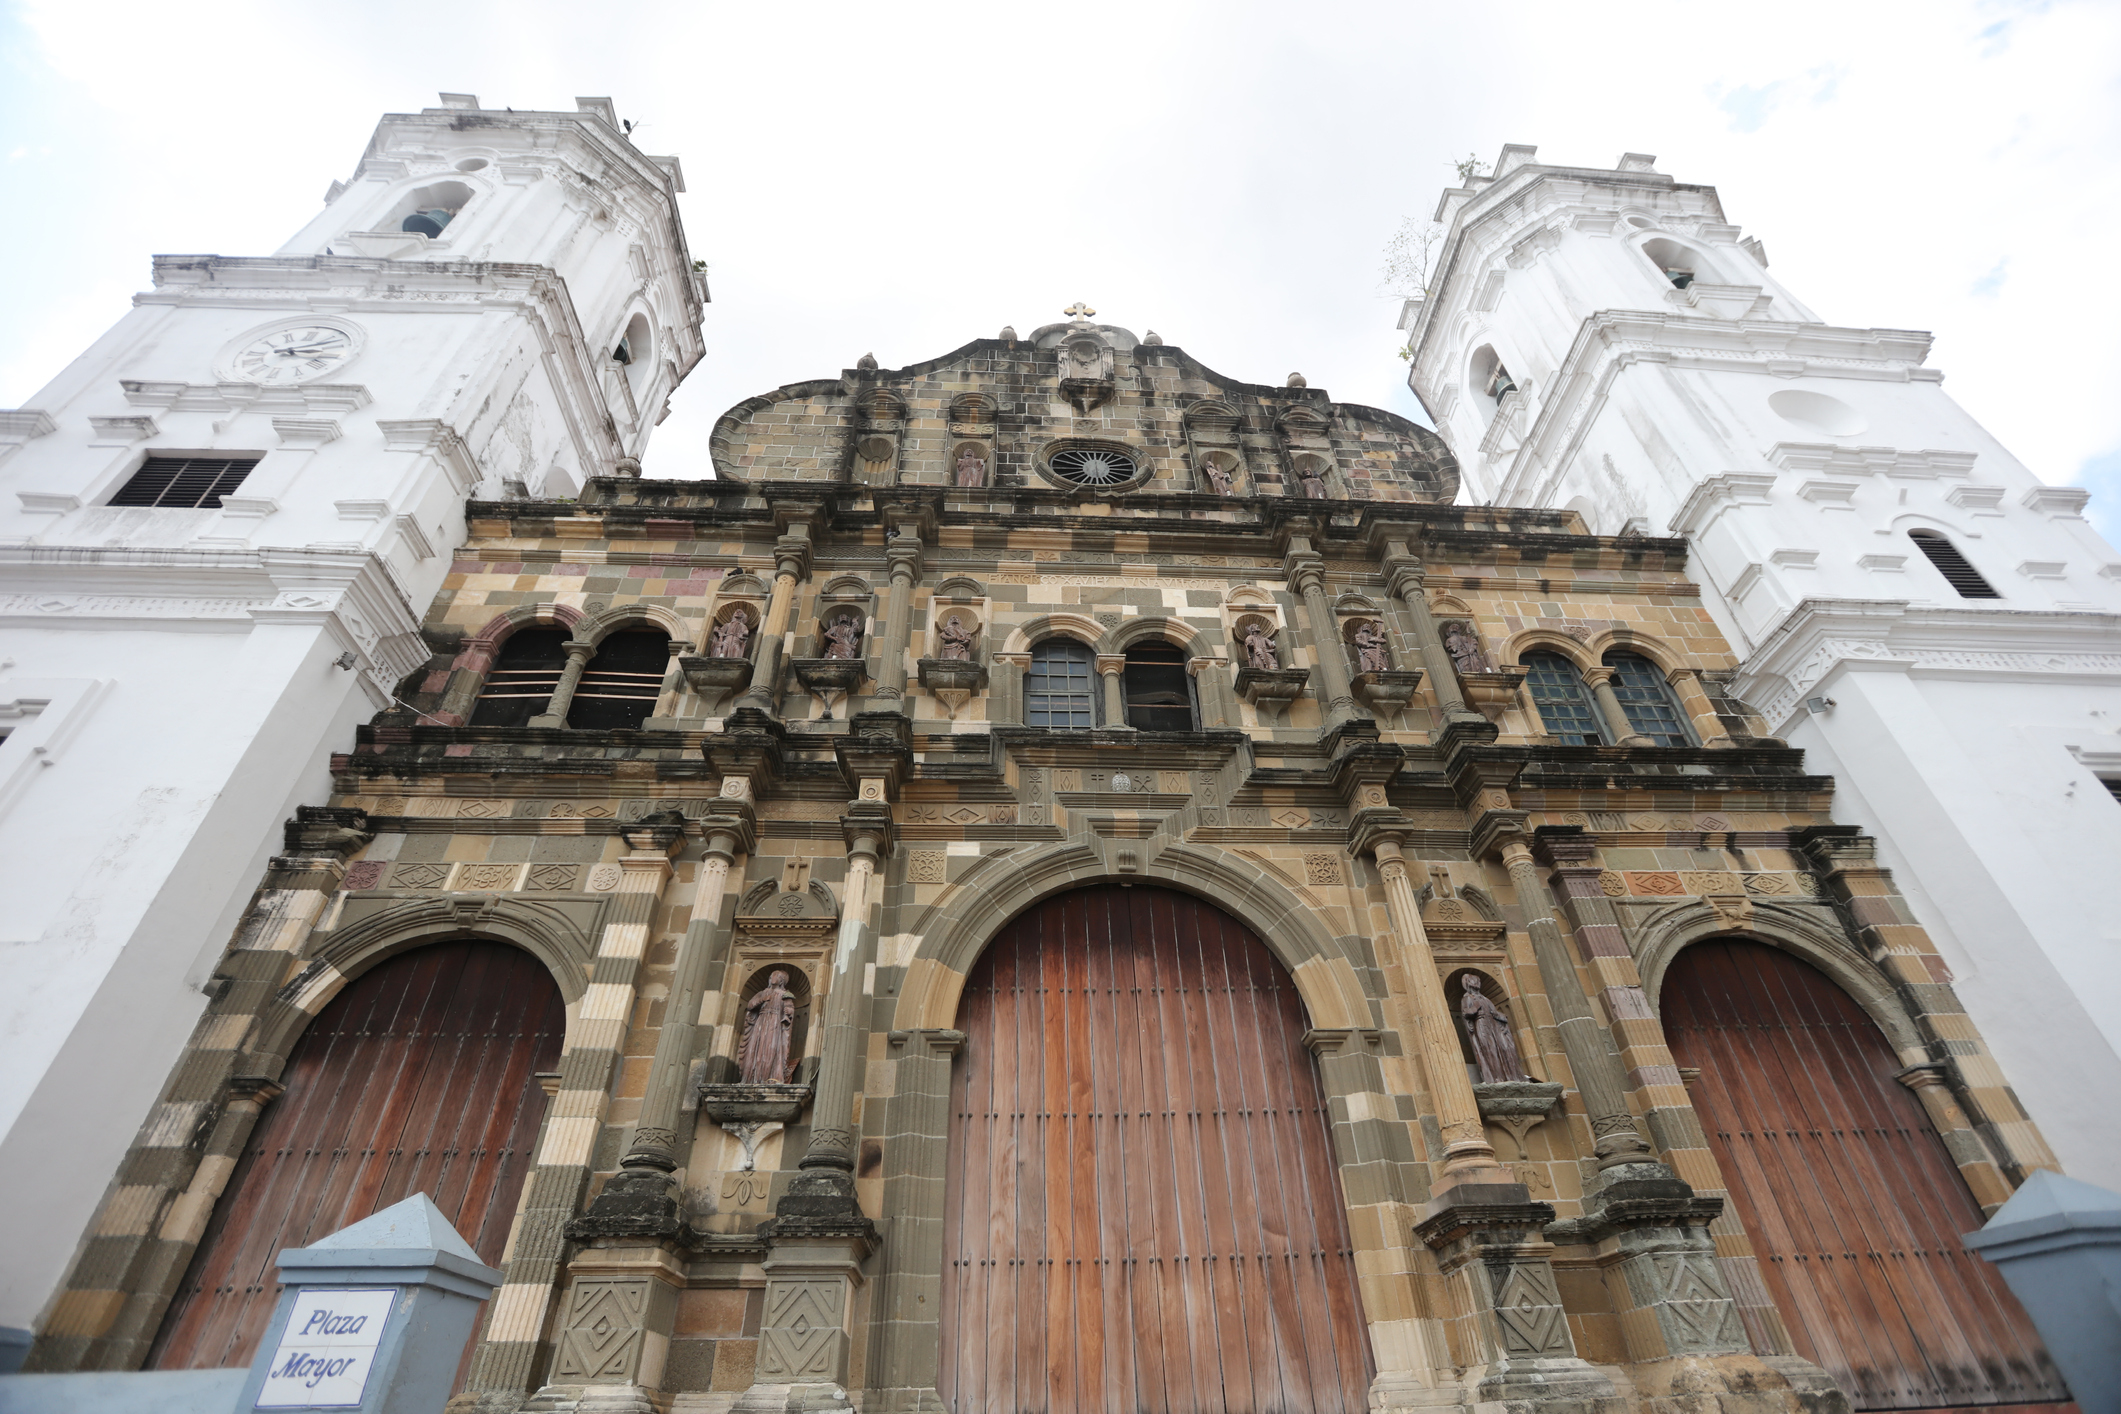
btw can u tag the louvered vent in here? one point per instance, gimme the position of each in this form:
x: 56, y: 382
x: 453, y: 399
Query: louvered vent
x: 188, y: 483
x: 1953, y: 566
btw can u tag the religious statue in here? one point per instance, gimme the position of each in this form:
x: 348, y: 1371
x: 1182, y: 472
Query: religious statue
x: 731, y: 637
x: 971, y: 469
x: 843, y: 638
x: 769, y: 1020
x: 956, y: 640
x: 1218, y: 477
x: 1463, y: 645
x: 1370, y: 650
x: 1259, y: 648
x: 1314, y: 485
x: 1494, y: 1044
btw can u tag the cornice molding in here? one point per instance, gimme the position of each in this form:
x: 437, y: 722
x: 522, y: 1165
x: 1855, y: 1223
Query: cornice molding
x: 1822, y: 636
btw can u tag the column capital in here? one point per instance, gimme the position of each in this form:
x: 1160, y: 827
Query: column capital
x: 906, y: 557
x: 1561, y: 846
x: 579, y: 650
x: 1597, y: 677
x: 1306, y: 573
x: 1110, y: 663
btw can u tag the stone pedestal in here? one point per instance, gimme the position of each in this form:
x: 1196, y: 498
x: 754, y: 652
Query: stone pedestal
x: 715, y: 679
x: 614, y: 1330
x: 806, y: 1331
x: 1271, y: 690
x: 952, y: 681
x: 1387, y: 692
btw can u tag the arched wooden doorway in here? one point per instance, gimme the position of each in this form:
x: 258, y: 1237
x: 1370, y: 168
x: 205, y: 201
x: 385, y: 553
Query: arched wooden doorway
x: 417, y: 1078
x: 1142, y: 1215
x: 1850, y: 1199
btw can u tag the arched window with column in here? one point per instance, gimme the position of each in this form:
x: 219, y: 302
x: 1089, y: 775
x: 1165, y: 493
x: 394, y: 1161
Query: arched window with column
x: 522, y: 678
x: 1060, y: 686
x: 1564, y: 703
x: 1647, y: 701
x: 621, y: 683
x: 1157, y: 690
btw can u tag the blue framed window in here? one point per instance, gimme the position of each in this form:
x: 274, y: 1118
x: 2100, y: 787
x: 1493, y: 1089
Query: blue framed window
x: 1060, y: 689
x: 1564, y: 705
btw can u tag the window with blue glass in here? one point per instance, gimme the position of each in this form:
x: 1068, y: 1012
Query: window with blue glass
x: 1646, y: 700
x: 1564, y: 703
x: 1060, y: 688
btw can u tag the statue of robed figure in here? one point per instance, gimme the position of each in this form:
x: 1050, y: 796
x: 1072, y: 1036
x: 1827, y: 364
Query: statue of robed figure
x: 1494, y: 1044
x: 762, y: 1056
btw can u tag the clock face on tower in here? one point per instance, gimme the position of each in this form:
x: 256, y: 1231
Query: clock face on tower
x: 292, y: 353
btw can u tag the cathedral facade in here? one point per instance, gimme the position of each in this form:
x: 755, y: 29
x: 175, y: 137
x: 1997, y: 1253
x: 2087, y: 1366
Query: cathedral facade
x: 1058, y: 879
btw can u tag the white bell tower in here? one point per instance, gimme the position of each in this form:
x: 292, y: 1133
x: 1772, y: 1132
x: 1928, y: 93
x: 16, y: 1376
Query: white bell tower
x: 1938, y: 629
x: 219, y: 529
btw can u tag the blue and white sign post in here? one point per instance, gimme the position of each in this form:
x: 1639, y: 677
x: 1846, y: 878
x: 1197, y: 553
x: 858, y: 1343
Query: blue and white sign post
x: 373, y: 1317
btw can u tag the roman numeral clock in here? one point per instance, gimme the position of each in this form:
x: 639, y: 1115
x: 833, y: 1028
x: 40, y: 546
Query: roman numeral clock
x: 293, y: 351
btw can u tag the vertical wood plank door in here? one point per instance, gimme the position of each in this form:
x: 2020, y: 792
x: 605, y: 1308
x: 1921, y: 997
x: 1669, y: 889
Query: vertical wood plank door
x: 1850, y: 1198
x: 419, y: 1077
x: 1142, y: 1213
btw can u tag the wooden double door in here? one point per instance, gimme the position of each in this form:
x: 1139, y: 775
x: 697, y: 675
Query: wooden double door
x: 1852, y: 1203
x: 419, y: 1077
x: 1143, y: 1214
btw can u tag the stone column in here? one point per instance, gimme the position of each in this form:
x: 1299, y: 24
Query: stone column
x: 555, y: 713
x: 1617, y: 725
x: 653, y: 1151
x: 791, y: 558
x: 1468, y: 1156
x: 826, y: 1186
x: 1212, y: 691
x: 1306, y: 572
x: 1407, y: 575
x: 1592, y: 1063
x: 904, y: 554
x: 1694, y: 701
x: 1005, y: 687
x: 517, y: 1318
x: 910, y: 1284
x: 1110, y: 667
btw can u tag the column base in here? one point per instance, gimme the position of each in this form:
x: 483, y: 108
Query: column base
x: 634, y: 1203
x: 792, y: 1399
x: 1530, y: 1383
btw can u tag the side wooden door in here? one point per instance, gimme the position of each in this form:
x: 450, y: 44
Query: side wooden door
x: 419, y: 1077
x: 1849, y: 1196
x: 1143, y: 1215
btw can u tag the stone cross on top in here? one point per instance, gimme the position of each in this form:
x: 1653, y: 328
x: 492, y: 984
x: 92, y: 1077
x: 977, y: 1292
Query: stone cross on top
x: 1081, y: 311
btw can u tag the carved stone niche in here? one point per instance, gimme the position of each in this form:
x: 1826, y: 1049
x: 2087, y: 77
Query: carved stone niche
x: 1084, y: 362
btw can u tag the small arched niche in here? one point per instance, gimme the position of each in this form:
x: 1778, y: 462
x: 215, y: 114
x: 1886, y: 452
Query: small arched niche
x: 1681, y: 265
x: 1491, y: 986
x: 1487, y: 375
x: 797, y: 985
x: 428, y: 210
x: 635, y: 352
x: 971, y: 465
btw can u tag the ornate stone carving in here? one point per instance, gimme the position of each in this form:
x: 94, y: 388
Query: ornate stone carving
x: 1322, y: 869
x: 603, y: 878
x: 926, y: 866
x: 366, y: 874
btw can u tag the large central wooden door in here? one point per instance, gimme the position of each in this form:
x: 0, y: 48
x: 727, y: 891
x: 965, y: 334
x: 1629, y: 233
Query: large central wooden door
x: 419, y: 1077
x: 1143, y: 1215
x: 1850, y: 1199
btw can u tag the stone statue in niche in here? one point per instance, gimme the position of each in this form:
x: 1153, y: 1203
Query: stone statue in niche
x: 732, y: 636
x: 843, y: 638
x: 769, y: 1021
x: 1463, y: 645
x: 955, y: 640
x: 1370, y: 650
x: 1494, y: 1044
x: 1218, y: 477
x: 1314, y: 483
x: 971, y: 469
x: 1259, y: 648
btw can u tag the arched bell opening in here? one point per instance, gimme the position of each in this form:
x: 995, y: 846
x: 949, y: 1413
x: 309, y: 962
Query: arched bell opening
x: 521, y: 681
x: 428, y: 210
x: 620, y: 685
x: 1157, y: 689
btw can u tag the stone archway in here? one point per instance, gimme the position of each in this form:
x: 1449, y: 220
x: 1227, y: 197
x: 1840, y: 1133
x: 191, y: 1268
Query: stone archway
x: 1143, y: 1207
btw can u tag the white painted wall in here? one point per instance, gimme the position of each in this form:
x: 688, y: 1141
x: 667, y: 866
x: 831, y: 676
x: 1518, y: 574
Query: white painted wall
x: 1967, y: 734
x: 169, y: 675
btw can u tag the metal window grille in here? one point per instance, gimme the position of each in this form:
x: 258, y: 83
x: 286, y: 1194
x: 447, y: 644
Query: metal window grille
x: 188, y: 483
x: 522, y: 679
x: 1158, y: 694
x: 620, y: 684
x: 1564, y: 706
x: 1646, y: 700
x: 1060, y: 688
x: 1953, y: 566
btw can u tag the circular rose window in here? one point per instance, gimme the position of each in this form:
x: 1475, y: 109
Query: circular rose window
x: 1092, y: 466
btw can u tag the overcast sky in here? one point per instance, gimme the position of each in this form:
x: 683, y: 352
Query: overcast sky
x: 903, y: 178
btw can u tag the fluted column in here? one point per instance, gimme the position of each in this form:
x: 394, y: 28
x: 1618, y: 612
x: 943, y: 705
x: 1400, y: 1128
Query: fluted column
x: 791, y: 558
x: 555, y: 713
x: 1595, y: 1068
x: 1441, y: 674
x: 1336, y: 694
x: 1617, y: 725
x: 1468, y: 1156
x: 905, y: 557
